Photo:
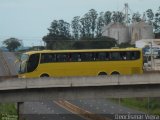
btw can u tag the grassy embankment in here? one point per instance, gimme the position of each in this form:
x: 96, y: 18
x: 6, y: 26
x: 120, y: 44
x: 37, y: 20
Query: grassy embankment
x: 147, y: 105
x: 8, y: 111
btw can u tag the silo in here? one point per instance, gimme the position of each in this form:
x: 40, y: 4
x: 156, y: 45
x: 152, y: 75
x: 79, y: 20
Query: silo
x: 141, y: 30
x: 117, y: 31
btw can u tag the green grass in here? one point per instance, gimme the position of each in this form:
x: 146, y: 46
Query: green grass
x: 9, y: 108
x: 8, y: 111
x: 150, y: 106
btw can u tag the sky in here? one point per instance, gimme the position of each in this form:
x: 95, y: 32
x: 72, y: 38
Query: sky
x: 28, y: 20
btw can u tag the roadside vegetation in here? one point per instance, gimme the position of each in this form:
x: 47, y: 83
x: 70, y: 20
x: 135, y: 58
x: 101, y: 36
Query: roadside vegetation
x: 8, y: 111
x: 146, y: 105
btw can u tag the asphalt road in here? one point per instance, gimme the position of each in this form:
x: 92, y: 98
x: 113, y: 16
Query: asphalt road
x: 47, y: 111
x: 104, y: 107
x: 52, y: 111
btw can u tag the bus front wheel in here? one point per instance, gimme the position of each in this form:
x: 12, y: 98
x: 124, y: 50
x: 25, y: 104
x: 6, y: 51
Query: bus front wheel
x: 44, y: 75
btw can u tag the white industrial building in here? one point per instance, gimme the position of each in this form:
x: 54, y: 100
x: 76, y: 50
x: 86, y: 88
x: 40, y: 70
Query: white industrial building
x: 141, y: 30
x: 128, y: 34
x: 118, y: 31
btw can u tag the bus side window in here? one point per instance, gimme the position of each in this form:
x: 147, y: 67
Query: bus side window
x: 47, y: 58
x: 89, y: 56
x: 62, y: 57
x: 101, y: 56
x: 107, y: 56
x: 94, y: 56
x: 135, y: 55
x: 123, y: 55
x: 53, y: 59
x: 74, y: 57
x: 86, y: 56
x: 44, y: 58
x: 128, y: 55
x: 83, y: 57
x: 115, y: 56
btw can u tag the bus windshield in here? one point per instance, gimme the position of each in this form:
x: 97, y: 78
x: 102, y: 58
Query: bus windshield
x: 28, y: 63
x: 23, y: 63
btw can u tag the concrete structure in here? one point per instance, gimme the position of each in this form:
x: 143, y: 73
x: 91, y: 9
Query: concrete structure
x: 21, y: 90
x: 117, y: 31
x: 7, y: 64
x: 141, y: 30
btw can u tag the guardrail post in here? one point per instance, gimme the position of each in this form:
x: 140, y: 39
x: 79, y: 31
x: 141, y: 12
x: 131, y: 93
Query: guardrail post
x: 20, y: 110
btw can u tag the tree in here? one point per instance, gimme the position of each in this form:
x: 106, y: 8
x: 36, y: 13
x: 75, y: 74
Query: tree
x: 88, y: 24
x: 150, y: 16
x: 102, y: 42
x: 12, y: 43
x: 53, y: 30
x: 64, y: 29
x: 107, y: 17
x: 136, y: 17
x: 156, y: 23
x: 76, y: 27
x: 85, y: 27
x: 125, y: 45
x: 82, y: 28
x: 92, y: 18
x: 118, y: 17
x: 59, y: 30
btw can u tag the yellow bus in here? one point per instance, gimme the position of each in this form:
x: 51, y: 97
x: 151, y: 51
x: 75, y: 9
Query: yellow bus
x: 92, y: 62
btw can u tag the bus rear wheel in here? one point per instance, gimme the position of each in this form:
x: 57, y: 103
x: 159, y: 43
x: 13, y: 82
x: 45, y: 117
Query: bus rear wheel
x: 115, y: 73
x: 44, y: 75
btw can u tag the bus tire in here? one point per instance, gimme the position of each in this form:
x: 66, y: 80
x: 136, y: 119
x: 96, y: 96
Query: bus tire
x: 115, y: 73
x: 102, y: 73
x: 44, y: 75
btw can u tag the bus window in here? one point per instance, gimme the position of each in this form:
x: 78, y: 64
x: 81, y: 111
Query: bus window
x: 75, y: 57
x: 128, y: 55
x: 61, y: 57
x: 47, y: 58
x: 33, y: 62
x: 107, y: 56
x: 86, y: 57
x: 123, y: 55
x: 102, y: 56
x: 115, y: 56
x: 135, y: 55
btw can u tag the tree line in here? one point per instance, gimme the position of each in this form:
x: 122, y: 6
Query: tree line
x: 90, y: 25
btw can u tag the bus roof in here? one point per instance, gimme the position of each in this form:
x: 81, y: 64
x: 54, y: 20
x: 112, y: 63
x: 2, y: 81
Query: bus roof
x: 83, y: 50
